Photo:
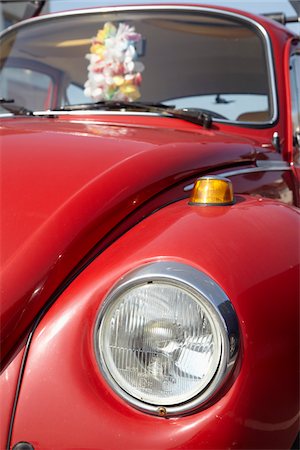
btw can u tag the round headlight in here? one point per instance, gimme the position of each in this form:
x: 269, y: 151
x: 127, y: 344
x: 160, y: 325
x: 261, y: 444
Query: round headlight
x: 166, y: 337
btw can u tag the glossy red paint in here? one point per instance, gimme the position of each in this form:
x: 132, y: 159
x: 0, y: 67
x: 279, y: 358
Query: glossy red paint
x: 79, y: 185
x: 66, y: 403
x: 61, y: 196
x: 8, y: 386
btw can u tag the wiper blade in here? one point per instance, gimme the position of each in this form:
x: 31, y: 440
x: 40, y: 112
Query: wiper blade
x: 115, y: 105
x: 190, y: 115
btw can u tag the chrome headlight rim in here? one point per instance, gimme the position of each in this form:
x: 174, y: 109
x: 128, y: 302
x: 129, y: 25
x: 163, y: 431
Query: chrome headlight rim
x: 196, y: 283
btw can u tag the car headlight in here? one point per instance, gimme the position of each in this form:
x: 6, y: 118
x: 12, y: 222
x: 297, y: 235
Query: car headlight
x: 166, y: 338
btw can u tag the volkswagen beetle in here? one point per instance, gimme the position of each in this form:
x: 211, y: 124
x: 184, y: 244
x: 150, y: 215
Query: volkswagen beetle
x: 150, y: 230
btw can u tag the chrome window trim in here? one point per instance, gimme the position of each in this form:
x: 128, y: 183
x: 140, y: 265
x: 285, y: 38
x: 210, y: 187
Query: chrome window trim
x: 86, y: 113
x: 263, y: 166
x: 294, y: 93
x: 235, y: 15
x: 6, y: 115
x: 94, y: 112
x: 221, y: 309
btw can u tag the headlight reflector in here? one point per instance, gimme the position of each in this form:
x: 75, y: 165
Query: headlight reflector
x: 162, y: 341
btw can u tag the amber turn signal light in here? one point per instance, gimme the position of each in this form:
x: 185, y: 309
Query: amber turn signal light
x: 212, y: 190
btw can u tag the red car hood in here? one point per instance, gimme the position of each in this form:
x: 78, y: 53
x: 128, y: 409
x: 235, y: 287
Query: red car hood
x: 66, y: 184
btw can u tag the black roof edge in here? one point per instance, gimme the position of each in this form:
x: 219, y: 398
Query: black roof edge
x: 33, y: 8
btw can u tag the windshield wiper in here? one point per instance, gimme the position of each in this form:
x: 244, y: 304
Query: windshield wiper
x: 190, y: 115
x: 115, y: 105
x: 15, y: 109
x: 6, y: 100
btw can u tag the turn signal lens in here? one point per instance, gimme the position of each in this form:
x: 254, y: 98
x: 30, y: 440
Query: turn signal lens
x: 212, y: 191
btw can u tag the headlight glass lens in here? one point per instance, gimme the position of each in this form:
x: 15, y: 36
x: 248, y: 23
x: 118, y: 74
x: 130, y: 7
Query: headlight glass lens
x: 160, y: 343
x: 166, y: 337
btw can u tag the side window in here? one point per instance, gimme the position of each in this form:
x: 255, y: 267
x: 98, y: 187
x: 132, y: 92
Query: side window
x: 28, y: 88
x: 295, y: 92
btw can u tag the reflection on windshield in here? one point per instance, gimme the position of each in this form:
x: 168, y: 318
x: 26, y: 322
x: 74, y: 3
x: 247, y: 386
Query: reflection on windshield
x: 193, y: 60
x: 228, y: 106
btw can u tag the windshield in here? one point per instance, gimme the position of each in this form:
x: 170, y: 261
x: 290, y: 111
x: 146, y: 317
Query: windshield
x: 186, y: 58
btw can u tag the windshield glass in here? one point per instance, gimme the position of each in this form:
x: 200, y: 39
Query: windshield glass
x: 186, y: 58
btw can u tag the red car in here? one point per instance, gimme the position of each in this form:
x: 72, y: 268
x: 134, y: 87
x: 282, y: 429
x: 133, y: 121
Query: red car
x: 150, y: 230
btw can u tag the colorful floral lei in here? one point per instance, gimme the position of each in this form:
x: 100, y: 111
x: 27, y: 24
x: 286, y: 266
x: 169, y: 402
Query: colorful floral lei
x: 113, y: 72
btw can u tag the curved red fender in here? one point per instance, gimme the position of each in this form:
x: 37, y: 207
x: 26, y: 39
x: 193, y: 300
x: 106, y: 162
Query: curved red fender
x: 251, y: 250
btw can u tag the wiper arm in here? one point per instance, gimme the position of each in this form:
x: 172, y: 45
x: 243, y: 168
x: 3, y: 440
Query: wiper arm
x: 6, y: 100
x: 195, y: 116
x: 190, y: 115
x: 15, y: 109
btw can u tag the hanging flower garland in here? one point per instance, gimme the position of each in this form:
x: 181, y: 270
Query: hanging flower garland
x: 113, y: 72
